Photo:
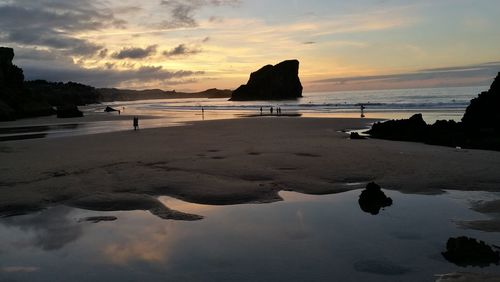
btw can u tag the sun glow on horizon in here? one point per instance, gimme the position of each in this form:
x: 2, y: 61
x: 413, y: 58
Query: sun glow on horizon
x: 195, y: 45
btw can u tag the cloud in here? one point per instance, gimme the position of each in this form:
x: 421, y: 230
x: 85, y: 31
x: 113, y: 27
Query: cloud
x: 53, y: 23
x: 109, y: 75
x: 181, y: 50
x: 135, y: 53
x: 182, y: 12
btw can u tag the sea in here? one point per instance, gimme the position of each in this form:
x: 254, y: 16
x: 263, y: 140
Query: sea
x: 433, y: 103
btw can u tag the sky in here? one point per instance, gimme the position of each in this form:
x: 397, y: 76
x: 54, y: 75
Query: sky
x: 192, y: 45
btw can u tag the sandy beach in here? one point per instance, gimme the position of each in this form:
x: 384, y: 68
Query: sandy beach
x: 227, y: 162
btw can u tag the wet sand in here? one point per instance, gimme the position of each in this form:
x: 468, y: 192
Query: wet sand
x: 226, y: 162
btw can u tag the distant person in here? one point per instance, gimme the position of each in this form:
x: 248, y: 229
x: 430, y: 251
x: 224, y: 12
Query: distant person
x: 260, y: 110
x: 136, y: 123
x: 202, y: 110
x: 271, y: 110
x: 119, y: 112
x: 362, y: 111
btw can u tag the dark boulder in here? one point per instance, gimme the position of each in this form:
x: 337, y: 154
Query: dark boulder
x: 109, y: 109
x: 464, y: 251
x: 277, y: 82
x: 356, y: 136
x: 68, y: 111
x: 412, y: 129
x: 372, y: 199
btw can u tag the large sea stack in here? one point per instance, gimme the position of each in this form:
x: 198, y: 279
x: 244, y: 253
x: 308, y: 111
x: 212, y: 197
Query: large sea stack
x: 279, y: 82
x: 15, y: 100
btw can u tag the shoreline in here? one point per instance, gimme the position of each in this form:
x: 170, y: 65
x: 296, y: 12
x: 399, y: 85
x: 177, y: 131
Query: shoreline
x: 227, y: 162
x: 99, y: 122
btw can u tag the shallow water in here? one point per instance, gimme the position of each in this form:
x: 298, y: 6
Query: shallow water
x: 434, y: 104
x: 304, y: 238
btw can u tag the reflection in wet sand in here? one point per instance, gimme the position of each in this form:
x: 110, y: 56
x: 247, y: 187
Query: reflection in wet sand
x: 303, y: 238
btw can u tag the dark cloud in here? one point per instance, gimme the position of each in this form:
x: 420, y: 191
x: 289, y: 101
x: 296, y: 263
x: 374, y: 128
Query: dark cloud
x: 52, y: 24
x: 181, y: 50
x: 108, y: 76
x: 182, y: 12
x: 480, y: 72
x: 135, y: 53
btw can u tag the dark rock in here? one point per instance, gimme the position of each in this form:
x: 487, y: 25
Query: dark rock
x: 464, y: 251
x: 277, y: 82
x: 356, y: 136
x: 15, y: 100
x: 68, y: 111
x: 413, y: 129
x: 109, y: 109
x: 479, y: 129
x: 372, y: 199
x: 483, y: 113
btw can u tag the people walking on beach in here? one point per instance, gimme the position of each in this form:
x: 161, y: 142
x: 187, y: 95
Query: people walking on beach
x: 260, y: 110
x: 136, y: 123
x: 271, y: 110
x: 362, y: 111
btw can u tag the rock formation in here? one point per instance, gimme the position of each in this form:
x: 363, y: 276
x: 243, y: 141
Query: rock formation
x: 372, y: 199
x: 109, y: 109
x: 413, y: 129
x: 464, y: 251
x: 277, y: 82
x: 15, y: 100
x: 479, y: 129
x: 68, y: 111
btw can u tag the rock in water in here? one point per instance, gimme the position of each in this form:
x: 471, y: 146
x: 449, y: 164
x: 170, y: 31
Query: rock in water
x: 372, y: 199
x: 465, y: 251
x: 277, y: 82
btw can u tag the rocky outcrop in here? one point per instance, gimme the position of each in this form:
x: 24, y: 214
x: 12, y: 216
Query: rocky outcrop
x: 464, y: 251
x: 68, y: 111
x: 412, y: 129
x: 109, y: 109
x: 277, y: 82
x: 15, y: 100
x: 372, y: 199
x: 479, y: 128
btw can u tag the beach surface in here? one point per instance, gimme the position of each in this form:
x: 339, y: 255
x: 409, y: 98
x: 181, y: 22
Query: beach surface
x: 225, y: 162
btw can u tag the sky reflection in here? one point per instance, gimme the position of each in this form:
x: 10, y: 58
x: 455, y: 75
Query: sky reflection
x: 302, y: 238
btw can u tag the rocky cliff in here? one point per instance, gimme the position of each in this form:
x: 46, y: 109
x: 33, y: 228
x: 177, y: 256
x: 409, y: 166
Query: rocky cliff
x: 479, y: 129
x: 277, y: 82
x: 15, y: 100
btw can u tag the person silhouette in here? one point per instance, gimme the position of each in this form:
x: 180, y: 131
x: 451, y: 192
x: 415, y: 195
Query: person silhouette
x: 260, y: 110
x: 362, y: 111
x: 271, y: 110
x: 136, y: 123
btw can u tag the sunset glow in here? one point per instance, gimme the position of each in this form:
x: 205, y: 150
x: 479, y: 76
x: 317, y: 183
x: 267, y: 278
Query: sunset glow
x: 199, y: 44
